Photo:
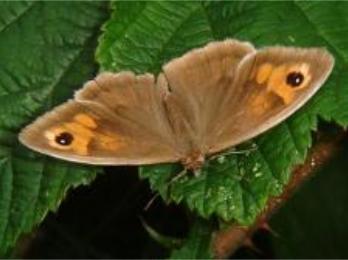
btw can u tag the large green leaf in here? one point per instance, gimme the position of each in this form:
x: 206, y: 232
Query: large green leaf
x: 46, y: 51
x: 234, y: 187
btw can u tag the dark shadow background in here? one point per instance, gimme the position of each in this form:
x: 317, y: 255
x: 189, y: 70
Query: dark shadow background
x: 103, y: 220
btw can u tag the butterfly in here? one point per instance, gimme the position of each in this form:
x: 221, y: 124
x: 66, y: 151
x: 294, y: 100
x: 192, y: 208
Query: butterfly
x: 210, y: 99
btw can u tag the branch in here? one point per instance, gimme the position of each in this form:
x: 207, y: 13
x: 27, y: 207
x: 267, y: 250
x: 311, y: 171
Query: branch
x: 227, y: 241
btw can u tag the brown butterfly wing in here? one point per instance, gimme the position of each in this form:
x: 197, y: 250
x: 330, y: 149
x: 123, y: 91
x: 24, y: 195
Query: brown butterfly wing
x: 271, y: 85
x: 198, y: 82
x: 115, y: 119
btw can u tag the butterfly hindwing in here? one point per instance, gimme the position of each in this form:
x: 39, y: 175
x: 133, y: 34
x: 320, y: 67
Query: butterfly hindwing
x: 198, y: 81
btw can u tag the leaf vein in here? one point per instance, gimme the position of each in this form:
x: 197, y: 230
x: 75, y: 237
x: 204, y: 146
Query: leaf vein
x: 320, y: 32
x: 20, y: 15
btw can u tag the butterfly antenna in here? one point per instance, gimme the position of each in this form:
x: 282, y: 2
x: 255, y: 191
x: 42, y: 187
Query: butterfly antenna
x: 241, y: 151
x: 233, y: 151
x: 172, y: 180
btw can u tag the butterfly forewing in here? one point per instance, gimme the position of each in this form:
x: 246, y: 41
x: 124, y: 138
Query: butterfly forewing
x: 271, y: 85
x: 115, y: 119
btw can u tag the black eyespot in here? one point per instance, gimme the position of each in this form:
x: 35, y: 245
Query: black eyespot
x: 64, y: 138
x: 294, y: 79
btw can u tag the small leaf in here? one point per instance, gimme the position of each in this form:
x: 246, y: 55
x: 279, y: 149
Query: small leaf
x: 46, y: 51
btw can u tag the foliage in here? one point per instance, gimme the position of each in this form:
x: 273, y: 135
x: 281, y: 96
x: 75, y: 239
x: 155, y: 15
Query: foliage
x: 46, y: 51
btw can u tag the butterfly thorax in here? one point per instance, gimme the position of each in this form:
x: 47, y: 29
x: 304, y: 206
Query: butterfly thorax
x: 194, y: 161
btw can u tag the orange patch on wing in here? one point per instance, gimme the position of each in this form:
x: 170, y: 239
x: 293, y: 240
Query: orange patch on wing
x: 83, y: 138
x: 260, y: 104
x: 83, y: 128
x: 263, y: 73
x: 81, y: 132
x: 277, y: 84
x: 86, y: 120
x: 79, y: 144
x: 275, y: 78
x: 110, y: 142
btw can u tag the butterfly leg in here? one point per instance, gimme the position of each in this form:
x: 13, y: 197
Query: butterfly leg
x: 178, y: 176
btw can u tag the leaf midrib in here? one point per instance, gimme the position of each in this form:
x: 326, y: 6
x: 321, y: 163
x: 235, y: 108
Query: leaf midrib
x: 20, y: 15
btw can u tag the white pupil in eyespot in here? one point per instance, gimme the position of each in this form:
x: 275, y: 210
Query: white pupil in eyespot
x: 64, y: 138
x: 294, y: 79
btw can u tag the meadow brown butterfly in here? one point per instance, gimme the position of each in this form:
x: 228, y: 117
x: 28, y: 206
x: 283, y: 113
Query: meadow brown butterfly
x: 202, y: 103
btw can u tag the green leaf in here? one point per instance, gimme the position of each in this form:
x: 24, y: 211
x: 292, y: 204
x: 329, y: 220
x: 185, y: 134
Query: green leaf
x: 234, y: 187
x: 197, y: 245
x: 46, y: 51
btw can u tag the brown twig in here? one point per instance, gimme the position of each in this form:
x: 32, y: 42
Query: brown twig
x: 227, y: 241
